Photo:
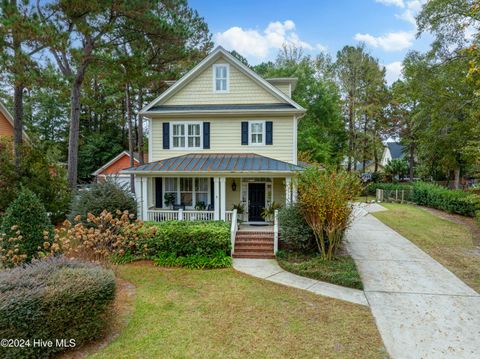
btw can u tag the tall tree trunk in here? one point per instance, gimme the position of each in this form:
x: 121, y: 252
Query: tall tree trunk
x: 365, y: 143
x: 375, y: 154
x: 457, y: 177
x: 128, y: 109
x: 18, y: 123
x: 74, y: 130
x: 141, y: 148
x: 350, y: 131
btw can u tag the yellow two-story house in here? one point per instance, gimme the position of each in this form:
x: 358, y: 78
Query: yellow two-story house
x: 219, y: 137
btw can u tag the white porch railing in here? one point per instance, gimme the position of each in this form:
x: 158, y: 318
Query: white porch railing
x: 160, y: 215
x: 275, y: 232
x: 233, y: 229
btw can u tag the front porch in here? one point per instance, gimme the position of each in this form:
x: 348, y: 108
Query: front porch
x: 169, y: 198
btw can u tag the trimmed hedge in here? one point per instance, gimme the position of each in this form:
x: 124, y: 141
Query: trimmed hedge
x: 454, y: 201
x: 55, y: 298
x: 183, y: 238
x: 294, y: 230
x: 219, y: 260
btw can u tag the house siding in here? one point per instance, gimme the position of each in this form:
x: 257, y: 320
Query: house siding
x: 285, y: 88
x: 225, y: 137
x: 117, y: 166
x: 6, y: 128
x: 242, y: 90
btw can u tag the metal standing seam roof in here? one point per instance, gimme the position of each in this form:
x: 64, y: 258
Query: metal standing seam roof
x: 221, y: 107
x: 221, y: 162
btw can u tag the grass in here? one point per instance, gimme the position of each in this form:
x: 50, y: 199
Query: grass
x: 221, y: 313
x: 449, y: 243
x: 341, y: 271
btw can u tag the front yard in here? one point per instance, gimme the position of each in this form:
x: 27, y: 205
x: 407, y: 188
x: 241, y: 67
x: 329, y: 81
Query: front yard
x: 450, y: 243
x: 224, y: 314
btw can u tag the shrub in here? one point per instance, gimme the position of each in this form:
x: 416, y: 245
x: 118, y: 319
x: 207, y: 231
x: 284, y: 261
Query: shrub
x: 294, y: 230
x: 104, y: 236
x: 25, y: 229
x: 219, y: 260
x: 102, y: 196
x: 53, y: 298
x: 454, y: 201
x: 183, y: 239
x: 324, y: 198
x: 43, y: 177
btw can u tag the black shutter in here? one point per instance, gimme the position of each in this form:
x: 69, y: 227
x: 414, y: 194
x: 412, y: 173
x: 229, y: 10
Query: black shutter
x: 166, y: 135
x: 244, y: 133
x: 158, y: 192
x: 269, y: 133
x: 206, y: 135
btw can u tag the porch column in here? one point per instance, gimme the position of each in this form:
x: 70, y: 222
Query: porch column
x: 223, y: 198
x: 144, y: 198
x: 138, y: 196
x: 216, y: 198
x: 288, y: 190
x: 294, y: 191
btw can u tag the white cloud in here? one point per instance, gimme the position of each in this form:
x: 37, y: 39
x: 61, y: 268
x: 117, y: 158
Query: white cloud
x: 259, y: 44
x: 413, y: 7
x: 392, y: 41
x: 398, y: 3
x: 393, y: 71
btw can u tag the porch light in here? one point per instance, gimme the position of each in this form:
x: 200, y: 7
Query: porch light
x: 234, y: 186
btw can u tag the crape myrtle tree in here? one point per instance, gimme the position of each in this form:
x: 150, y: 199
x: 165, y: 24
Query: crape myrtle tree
x: 85, y: 32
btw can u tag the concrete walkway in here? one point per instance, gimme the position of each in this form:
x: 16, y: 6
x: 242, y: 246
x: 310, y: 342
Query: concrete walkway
x: 422, y: 310
x: 270, y: 270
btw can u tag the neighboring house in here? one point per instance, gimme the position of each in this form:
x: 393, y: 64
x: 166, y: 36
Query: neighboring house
x: 112, y: 169
x: 392, y: 151
x: 6, y: 124
x: 220, y: 136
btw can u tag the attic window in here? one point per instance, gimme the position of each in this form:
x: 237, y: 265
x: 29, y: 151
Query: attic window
x: 220, y: 77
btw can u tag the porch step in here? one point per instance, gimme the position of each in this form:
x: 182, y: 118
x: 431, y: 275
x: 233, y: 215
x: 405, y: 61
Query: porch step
x: 252, y: 244
x: 253, y: 255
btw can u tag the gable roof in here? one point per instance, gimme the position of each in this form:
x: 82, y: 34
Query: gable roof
x: 396, y: 150
x: 115, y: 159
x: 9, y: 118
x: 211, y: 58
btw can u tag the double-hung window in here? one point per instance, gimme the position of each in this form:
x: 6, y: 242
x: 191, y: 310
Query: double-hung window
x: 201, y: 190
x: 186, y: 191
x: 220, y: 77
x: 257, y: 132
x: 186, y: 135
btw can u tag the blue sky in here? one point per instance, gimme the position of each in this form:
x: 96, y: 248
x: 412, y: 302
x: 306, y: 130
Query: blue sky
x: 258, y: 28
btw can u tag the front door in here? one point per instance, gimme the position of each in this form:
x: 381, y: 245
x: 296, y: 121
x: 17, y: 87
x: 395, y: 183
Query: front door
x: 256, y: 201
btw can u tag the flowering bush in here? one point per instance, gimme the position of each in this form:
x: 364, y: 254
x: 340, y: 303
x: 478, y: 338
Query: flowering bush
x: 102, y: 236
x: 324, y: 198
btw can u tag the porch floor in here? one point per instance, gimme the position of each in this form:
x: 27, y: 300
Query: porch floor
x: 247, y: 227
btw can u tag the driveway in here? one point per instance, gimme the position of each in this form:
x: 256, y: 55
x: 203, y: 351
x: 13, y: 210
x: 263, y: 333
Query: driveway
x: 422, y: 310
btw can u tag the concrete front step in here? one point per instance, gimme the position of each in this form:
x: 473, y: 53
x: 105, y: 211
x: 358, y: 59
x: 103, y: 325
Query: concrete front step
x: 253, y: 255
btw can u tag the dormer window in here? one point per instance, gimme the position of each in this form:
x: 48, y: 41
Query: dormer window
x: 220, y: 77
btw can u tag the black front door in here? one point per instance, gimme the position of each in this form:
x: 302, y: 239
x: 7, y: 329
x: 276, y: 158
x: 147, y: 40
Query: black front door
x: 256, y: 201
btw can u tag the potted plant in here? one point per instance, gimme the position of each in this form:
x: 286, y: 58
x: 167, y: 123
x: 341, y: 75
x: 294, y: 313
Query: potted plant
x: 240, y: 210
x: 169, y: 199
x: 269, y: 212
x: 200, y: 206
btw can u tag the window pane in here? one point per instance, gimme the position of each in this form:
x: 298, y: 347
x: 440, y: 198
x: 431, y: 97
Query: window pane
x: 186, y: 198
x: 224, y: 72
x: 201, y: 185
x: 170, y: 184
x: 259, y: 138
x: 218, y: 71
x: 182, y: 141
x: 256, y: 127
x: 224, y: 85
x: 186, y: 184
x: 202, y: 197
x: 190, y: 142
x: 193, y: 130
x: 218, y: 85
x: 197, y: 141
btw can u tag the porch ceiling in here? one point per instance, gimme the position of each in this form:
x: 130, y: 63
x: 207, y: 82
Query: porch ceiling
x: 219, y: 162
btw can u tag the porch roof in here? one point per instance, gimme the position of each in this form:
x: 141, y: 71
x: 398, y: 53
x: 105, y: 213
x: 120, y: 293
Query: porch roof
x: 216, y: 162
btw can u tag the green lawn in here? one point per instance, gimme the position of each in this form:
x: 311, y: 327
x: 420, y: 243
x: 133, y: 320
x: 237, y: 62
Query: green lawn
x: 341, y: 271
x: 225, y: 314
x: 449, y: 243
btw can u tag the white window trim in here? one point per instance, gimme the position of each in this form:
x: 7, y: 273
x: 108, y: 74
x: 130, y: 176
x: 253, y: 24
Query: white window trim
x: 250, y: 123
x: 194, y: 192
x: 214, y: 68
x: 186, y: 123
